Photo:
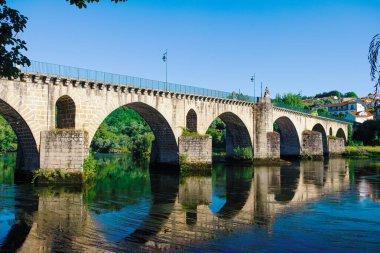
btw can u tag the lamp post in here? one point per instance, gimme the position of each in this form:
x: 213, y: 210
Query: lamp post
x: 165, y: 59
x: 253, y: 80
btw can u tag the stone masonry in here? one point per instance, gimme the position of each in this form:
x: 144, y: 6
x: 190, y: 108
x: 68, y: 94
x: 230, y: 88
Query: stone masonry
x: 336, y: 146
x: 195, y: 149
x: 64, y: 150
x: 311, y: 144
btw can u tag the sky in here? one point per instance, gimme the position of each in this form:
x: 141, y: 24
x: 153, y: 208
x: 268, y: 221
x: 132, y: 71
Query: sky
x: 297, y: 46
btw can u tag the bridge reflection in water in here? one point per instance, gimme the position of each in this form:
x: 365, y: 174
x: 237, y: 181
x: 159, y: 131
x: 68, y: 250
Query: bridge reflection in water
x: 180, y: 211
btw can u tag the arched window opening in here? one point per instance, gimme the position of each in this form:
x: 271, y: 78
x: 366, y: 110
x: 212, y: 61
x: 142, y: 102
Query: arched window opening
x: 65, y: 113
x: 191, y: 121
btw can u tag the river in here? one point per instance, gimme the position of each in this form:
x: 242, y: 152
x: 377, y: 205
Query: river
x: 306, y: 206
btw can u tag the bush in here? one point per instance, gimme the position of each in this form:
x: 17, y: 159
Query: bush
x: 243, y: 153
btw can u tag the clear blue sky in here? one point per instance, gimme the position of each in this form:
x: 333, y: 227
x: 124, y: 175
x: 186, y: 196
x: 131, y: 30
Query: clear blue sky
x: 308, y: 45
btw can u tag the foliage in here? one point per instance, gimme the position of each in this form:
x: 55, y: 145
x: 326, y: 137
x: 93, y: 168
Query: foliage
x: 243, y: 153
x: 291, y: 99
x: 340, y: 115
x: 374, y: 49
x: 186, y: 132
x: 350, y: 134
x: 368, y: 133
x: 329, y: 94
x: 124, y: 131
x: 11, y: 47
x: 89, y: 168
x: 48, y: 175
x: 83, y: 3
x: 217, y: 130
x: 322, y: 111
x: 362, y: 151
x: 350, y: 94
x: 8, y: 139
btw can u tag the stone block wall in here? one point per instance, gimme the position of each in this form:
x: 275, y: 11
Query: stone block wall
x: 273, y: 145
x: 64, y: 150
x: 336, y: 146
x: 195, y: 149
x: 311, y: 144
x: 263, y: 123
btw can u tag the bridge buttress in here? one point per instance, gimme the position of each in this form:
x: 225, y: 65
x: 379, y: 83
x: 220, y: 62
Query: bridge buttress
x: 266, y: 142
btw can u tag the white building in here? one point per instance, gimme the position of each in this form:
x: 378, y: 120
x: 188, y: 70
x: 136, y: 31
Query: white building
x: 359, y: 117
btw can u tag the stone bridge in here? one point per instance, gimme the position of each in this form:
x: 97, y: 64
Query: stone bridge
x: 55, y: 117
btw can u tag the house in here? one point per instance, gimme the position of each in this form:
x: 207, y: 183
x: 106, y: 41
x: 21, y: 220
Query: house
x: 359, y: 117
x: 347, y: 107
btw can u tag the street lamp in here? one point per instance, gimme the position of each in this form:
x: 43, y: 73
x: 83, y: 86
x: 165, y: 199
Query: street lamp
x: 165, y: 59
x: 253, y: 80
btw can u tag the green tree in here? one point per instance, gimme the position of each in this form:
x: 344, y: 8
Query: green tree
x: 8, y: 139
x: 374, y: 48
x: 290, y: 99
x: 350, y: 94
x: 329, y: 94
x: 11, y: 47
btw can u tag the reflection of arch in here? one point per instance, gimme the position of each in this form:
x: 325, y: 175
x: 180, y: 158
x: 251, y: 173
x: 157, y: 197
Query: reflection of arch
x: 25, y: 208
x: 289, y: 178
x: 289, y: 141
x: 239, y: 181
x: 330, y: 131
x: 319, y: 128
x: 164, y: 147
x: 164, y: 188
x: 340, y: 133
x: 27, y: 154
x: 237, y: 134
x: 65, y: 112
x: 191, y: 121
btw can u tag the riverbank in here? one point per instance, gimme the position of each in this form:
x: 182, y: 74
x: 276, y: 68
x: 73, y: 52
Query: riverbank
x: 362, y: 151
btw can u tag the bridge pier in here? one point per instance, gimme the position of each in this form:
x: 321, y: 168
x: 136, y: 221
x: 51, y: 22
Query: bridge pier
x: 64, y: 150
x: 266, y: 142
x: 312, y: 145
x: 195, y: 151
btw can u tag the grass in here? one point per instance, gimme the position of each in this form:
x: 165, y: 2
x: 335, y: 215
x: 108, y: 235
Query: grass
x: 362, y: 151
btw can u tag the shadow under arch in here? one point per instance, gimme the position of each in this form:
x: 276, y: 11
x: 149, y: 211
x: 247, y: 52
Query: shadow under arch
x: 289, y: 141
x: 27, y: 153
x: 237, y: 134
x: 319, y: 128
x: 66, y: 112
x: 238, y: 184
x: 340, y: 133
x: 192, y: 121
x: 164, y: 188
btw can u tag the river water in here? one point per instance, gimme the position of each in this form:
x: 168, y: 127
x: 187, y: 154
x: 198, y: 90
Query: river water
x: 306, y: 206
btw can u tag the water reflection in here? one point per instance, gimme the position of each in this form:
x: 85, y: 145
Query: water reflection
x: 129, y: 205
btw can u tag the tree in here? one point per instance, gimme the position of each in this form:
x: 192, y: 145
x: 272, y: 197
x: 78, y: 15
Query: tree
x: 350, y: 94
x: 11, y: 24
x: 374, y: 48
x: 291, y: 99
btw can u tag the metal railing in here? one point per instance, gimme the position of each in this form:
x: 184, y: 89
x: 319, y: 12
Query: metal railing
x: 99, y: 76
x: 37, y: 67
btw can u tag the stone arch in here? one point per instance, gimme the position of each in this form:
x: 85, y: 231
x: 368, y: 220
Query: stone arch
x: 27, y: 152
x: 289, y: 140
x: 65, y: 112
x: 164, y: 147
x: 237, y: 134
x: 191, y: 121
x: 340, y: 133
x: 319, y: 128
